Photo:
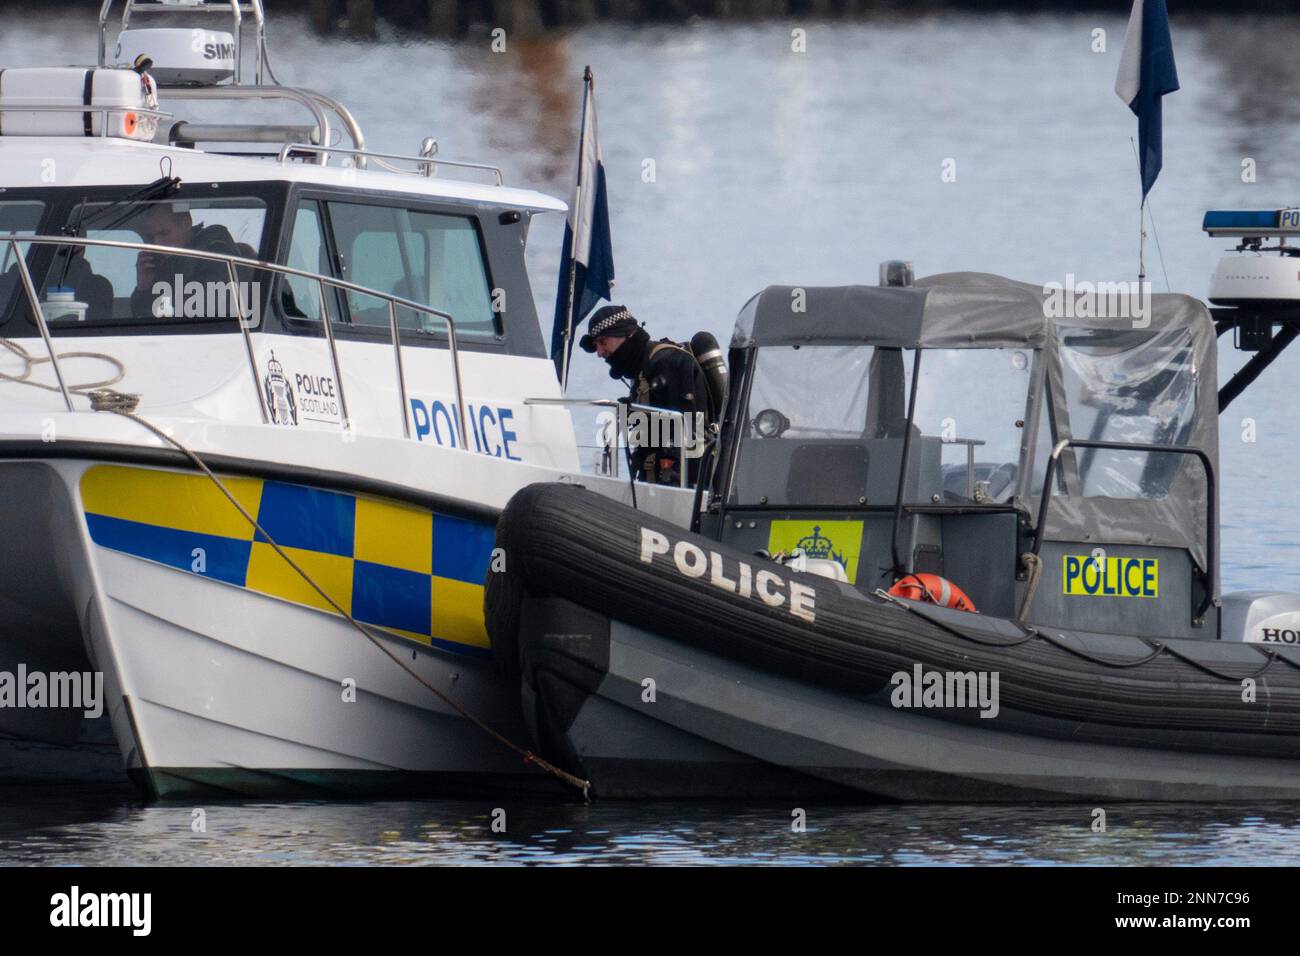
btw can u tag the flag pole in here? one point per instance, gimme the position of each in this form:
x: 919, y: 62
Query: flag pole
x: 1142, y: 241
x: 1142, y: 220
x: 573, y: 251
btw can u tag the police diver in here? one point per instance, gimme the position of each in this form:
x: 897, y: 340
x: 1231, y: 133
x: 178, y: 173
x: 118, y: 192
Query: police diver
x: 661, y: 374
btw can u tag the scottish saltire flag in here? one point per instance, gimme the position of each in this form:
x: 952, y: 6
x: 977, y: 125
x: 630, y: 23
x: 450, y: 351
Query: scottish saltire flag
x: 1146, y: 73
x: 587, y: 259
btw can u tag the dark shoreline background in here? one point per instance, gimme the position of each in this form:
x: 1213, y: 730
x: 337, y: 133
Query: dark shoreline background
x: 528, y: 18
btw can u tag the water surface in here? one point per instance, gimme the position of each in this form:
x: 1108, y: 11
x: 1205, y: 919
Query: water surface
x: 103, y: 829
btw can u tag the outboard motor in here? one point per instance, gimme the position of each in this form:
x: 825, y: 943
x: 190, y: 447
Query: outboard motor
x: 708, y: 353
x: 1261, y: 617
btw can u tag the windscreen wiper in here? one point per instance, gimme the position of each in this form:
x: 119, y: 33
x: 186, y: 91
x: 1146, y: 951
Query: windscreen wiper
x: 160, y: 188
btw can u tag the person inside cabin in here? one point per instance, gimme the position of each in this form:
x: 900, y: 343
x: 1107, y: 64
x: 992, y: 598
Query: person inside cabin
x: 660, y: 374
x: 89, y: 287
x: 163, y: 224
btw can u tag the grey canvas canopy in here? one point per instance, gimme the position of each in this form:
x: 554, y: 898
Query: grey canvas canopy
x: 1146, y: 378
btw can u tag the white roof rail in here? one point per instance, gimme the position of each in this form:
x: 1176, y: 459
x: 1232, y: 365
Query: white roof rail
x: 425, y: 161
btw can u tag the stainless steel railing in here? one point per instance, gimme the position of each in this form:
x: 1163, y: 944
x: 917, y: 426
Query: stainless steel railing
x: 622, y: 432
x: 425, y: 162
x: 81, y: 109
x: 232, y: 262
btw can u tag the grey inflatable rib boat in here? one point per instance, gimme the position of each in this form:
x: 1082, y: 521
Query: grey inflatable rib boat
x: 957, y: 540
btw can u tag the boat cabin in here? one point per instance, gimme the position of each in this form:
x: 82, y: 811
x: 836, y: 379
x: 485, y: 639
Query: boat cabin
x: 389, y: 290
x: 457, y: 255
x: 89, y: 154
x: 964, y: 422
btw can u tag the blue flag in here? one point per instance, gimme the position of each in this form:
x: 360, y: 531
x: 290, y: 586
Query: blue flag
x: 1146, y: 73
x: 587, y: 258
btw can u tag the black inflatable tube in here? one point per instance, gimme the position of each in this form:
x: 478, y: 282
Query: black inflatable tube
x: 568, y: 542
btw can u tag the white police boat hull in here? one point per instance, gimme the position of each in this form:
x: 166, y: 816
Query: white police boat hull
x: 222, y: 672
x: 369, y: 413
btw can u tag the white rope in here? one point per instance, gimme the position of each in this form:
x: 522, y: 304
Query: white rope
x: 31, y: 361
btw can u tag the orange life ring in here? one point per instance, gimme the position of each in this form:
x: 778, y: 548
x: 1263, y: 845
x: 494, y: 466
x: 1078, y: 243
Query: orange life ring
x: 933, y: 590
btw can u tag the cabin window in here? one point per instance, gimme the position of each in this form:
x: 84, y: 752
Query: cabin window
x: 975, y: 401
x: 300, y: 298
x: 20, y: 217
x: 16, y: 218
x: 827, y: 424
x: 817, y: 418
x: 1128, y: 386
x: 103, y: 284
x: 432, y: 258
x: 821, y: 391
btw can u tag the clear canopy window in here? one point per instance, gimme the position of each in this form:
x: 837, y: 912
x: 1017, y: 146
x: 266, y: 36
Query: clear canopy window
x: 975, y: 401
x: 819, y: 391
x: 1128, y: 386
x: 826, y: 426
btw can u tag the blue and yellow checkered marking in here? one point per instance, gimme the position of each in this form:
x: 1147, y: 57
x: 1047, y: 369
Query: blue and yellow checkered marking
x: 399, y: 567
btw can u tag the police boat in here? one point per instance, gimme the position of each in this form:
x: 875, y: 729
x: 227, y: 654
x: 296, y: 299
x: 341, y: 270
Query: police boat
x: 960, y: 542
x: 264, y: 392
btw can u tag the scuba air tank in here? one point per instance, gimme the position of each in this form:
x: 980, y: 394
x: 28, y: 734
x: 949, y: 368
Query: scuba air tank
x: 708, y: 353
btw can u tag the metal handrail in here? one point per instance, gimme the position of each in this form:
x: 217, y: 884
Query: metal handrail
x: 303, y: 97
x: 334, y: 353
x: 970, y: 444
x: 248, y: 346
x: 394, y: 302
x: 1211, y: 537
x: 425, y: 162
x: 30, y: 289
x: 316, y: 102
x: 345, y: 115
x: 82, y: 108
x: 672, y: 413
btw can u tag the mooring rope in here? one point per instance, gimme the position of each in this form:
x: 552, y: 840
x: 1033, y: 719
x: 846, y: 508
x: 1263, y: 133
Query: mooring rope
x: 31, y: 361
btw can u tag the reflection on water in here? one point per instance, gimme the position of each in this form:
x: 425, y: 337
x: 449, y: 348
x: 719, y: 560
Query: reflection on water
x: 1256, y: 69
x: 41, y: 830
x: 531, y: 102
x: 770, y: 166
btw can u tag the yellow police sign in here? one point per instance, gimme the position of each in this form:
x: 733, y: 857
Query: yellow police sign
x: 839, y: 541
x: 1096, y: 576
